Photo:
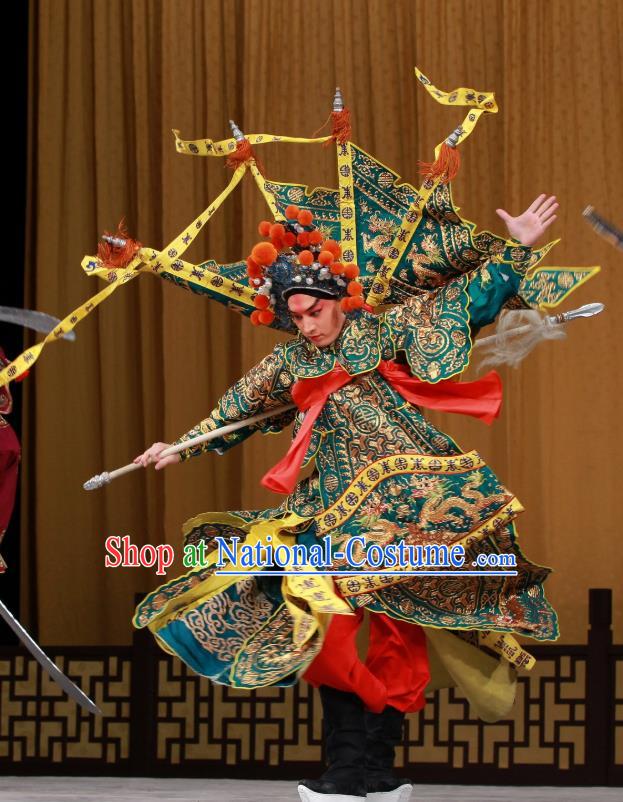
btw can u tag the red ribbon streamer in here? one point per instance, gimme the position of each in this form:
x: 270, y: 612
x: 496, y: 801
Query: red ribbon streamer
x: 480, y: 399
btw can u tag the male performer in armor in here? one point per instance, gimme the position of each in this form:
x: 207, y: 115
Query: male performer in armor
x: 343, y: 361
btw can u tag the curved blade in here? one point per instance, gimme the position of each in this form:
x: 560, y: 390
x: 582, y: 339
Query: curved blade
x: 31, y: 319
x: 72, y: 690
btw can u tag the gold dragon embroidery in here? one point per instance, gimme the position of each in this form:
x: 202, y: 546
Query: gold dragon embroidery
x: 431, y: 256
x: 438, y: 504
x: 380, y: 243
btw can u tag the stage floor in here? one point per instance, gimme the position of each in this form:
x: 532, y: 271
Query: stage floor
x: 138, y: 789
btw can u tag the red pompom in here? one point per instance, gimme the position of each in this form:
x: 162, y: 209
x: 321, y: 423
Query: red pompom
x: 306, y: 257
x: 292, y: 212
x: 356, y: 302
x: 325, y: 258
x: 264, y: 253
x: 289, y: 239
x: 277, y: 231
x: 278, y: 243
x: 315, y: 237
x: 351, y: 271
x: 255, y: 318
x: 305, y: 217
x: 264, y: 228
x: 336, y: 268
x: 345, y: 304
x: 333, y: 246
x: 354, y: 288
x: 253, y: 269
x: 266, y: 316
x: 303, y: 239
x: 261, y: 301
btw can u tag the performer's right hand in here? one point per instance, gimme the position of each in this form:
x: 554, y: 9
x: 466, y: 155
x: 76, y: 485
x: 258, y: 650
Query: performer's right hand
x: 152, y: 456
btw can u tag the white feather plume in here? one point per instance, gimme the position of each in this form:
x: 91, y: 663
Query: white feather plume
x: 517, y: 333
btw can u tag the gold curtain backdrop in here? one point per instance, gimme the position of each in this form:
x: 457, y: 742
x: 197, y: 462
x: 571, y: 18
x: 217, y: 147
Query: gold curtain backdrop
x: 111, y: 78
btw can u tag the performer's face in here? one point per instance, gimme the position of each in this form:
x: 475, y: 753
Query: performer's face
x: 318, y: 319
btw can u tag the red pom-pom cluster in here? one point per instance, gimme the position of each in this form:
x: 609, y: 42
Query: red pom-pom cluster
x: 310, y: 248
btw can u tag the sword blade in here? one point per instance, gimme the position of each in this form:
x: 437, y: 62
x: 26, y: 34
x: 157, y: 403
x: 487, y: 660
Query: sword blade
x: 31, y: 319
x: 72, y: 690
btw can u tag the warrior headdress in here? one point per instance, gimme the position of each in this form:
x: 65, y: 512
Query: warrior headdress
x: 296, y: 257
x: 380, y: 240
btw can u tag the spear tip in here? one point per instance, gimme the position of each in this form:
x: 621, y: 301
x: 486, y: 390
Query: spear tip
x: 97, y: 481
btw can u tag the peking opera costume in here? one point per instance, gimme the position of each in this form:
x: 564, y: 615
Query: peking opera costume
x: 416, y: 283
x: 10, y: 452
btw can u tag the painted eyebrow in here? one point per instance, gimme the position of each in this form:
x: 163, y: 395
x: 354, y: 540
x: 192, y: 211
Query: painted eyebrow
x: 309, y: 308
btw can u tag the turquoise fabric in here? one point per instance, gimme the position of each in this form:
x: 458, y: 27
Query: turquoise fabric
x: 488, y: 292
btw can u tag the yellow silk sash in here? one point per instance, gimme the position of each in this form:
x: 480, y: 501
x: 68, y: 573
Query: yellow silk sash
x: 485, y: 104
x: 299, y: 592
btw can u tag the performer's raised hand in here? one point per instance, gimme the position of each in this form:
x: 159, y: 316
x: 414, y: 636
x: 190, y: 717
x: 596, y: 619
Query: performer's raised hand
x: 530, y: 226
x: 152, y: 456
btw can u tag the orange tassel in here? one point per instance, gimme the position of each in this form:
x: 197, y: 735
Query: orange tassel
x: 242, y: 154
x: 115, y: 257
x: 318, y: 130
x: 342, y: 129
x: 445, y: 167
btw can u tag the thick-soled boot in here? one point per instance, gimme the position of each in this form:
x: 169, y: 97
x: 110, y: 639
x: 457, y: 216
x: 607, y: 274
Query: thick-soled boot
x: 344, y: 730
x: 383, y: 734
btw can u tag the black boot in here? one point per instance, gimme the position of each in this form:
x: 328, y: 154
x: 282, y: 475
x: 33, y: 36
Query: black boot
x: 344, y: 730
x: 383, y: 734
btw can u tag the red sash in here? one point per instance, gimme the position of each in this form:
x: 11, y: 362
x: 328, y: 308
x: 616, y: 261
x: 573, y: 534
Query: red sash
x: 480, y: 399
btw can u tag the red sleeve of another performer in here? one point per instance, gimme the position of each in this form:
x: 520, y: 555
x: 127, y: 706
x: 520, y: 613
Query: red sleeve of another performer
x: 9, y: 461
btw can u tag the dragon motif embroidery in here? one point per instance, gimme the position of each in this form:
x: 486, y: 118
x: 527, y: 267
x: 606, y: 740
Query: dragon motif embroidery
x: 431, y: 256
x: 380, y: 243
x: 439, y: 504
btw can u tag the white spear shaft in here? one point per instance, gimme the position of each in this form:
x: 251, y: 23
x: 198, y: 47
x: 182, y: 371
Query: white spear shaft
x: 101, y: 479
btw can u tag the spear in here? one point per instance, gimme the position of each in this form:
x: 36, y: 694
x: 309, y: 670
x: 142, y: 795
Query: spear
x: 511, y: 342
x: 101, y: 479
x: 603, y: 227
x: 588, y: 310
